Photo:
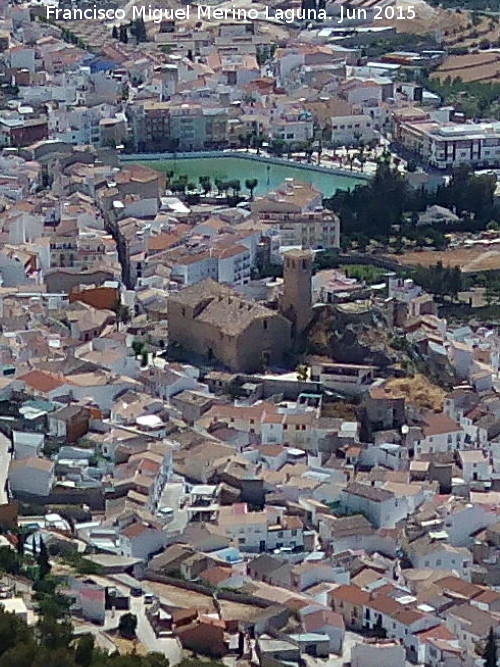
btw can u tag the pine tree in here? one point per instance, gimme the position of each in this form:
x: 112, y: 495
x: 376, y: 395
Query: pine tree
x: 490, y: 654
x: 123, y: 34
x: 43, y: 560
x: 20, y: 544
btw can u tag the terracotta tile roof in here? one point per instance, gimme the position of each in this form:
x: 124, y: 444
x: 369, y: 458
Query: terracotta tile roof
x: 437, y: 632
x: 134, y: 530
x: 215, y: 575
x: 42, y: 380
x: 386, y: 605
x: 352, y: 594
x: 437, y: 424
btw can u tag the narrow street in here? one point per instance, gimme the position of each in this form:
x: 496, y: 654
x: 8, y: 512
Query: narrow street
x: 4, y: 466
x: 168, y: 646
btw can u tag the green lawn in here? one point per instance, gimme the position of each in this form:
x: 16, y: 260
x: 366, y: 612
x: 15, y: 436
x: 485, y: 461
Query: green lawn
x: 370, y: 274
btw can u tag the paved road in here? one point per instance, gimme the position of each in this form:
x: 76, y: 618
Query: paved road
x: 169, y: 646
x: 4, y: 466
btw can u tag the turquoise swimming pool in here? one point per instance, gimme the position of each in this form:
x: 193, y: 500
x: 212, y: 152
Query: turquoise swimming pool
x: 269, y: 174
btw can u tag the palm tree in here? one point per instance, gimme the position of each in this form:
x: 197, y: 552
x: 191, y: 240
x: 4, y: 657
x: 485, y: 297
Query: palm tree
x: 251, y: 184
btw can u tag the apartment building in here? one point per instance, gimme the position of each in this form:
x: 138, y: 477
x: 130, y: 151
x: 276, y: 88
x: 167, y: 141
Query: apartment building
x: 173, y: 126
x: 195, y: 126
x: 449, y: 145
x: 295, y: 211
x: 293, y: 127
x: 352, y: 129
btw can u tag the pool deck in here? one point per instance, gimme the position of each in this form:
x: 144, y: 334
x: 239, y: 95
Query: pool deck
x: 243, y: 155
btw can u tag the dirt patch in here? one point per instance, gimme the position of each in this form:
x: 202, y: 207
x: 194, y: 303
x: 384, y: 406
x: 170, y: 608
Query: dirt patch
x: 127, y: 646
x: 419, y: 391
x: 185, y: 599
x: 470, y: 260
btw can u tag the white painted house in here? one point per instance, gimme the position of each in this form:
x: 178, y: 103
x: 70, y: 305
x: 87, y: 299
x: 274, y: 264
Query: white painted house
x: 31, y: 476
x: 27, y: 445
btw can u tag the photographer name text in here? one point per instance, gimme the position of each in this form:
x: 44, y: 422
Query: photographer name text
x: 150, y: 13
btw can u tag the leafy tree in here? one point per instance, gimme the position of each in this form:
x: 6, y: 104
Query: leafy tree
x: 128, y: 625
x: 12, y: 631
x: 144, y: 357
x: 137, y: 347
x: 205, y: 184
x: 235, y: 186
x: 114, y: 32
x: 302, y: 373
x: 121, y: 311
x: 54, y: 634
x: 51, y: 602
x: 22, y: 654
x: 251, y: 184
x: 51, y: 643
x: 84, y: 650
x: 439, y: 280
x: 10, y: 561
x: 178, y: 186
x: 277, y: 146
x: 374, y: 208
